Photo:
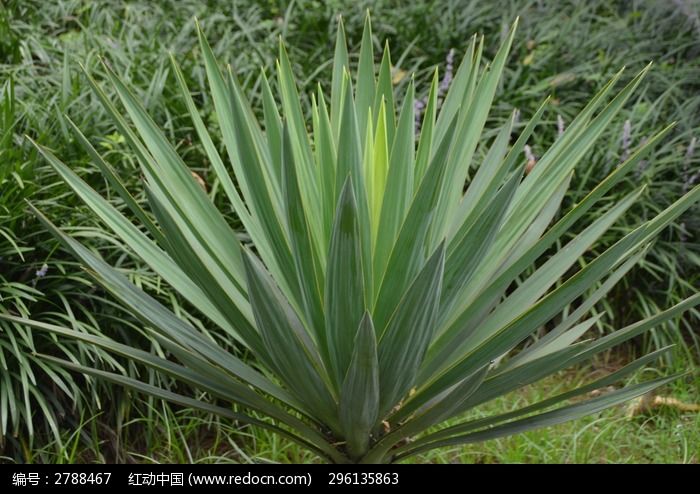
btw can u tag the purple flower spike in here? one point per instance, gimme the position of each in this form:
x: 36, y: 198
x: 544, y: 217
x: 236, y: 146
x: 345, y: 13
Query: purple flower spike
x: 626, y: 139
x: 560, y: 126
x: 42, y: 272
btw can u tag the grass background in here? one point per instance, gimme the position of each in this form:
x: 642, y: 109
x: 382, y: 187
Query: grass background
x: 566, y: 49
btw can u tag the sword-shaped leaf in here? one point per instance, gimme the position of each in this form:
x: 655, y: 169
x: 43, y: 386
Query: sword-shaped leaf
x: 344, y: 293
x: 359, y: 394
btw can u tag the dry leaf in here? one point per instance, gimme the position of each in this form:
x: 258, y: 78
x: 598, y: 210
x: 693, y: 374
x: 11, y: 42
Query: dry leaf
x: 398, y: 75
x: 200, y: 181
x: 647, y: 402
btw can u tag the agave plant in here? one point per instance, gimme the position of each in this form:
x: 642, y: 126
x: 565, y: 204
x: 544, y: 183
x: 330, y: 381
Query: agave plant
x: 389, y: 281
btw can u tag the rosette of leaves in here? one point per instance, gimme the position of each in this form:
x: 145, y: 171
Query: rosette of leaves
x: 389, y: 279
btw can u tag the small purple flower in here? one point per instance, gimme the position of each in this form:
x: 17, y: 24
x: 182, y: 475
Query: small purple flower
x: 516, y: 117
x: 643, y: 164
x: 528, y: 153
x: 447, y: 78
x: 531, y: 159
x: 42, y: 272
x: 560, y: 126
x: 691, y: 181
x: 626, y: 139
x: 688, y: 179
x: 689, y: 12
x: 418, y: 107
x: 691, y: 149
